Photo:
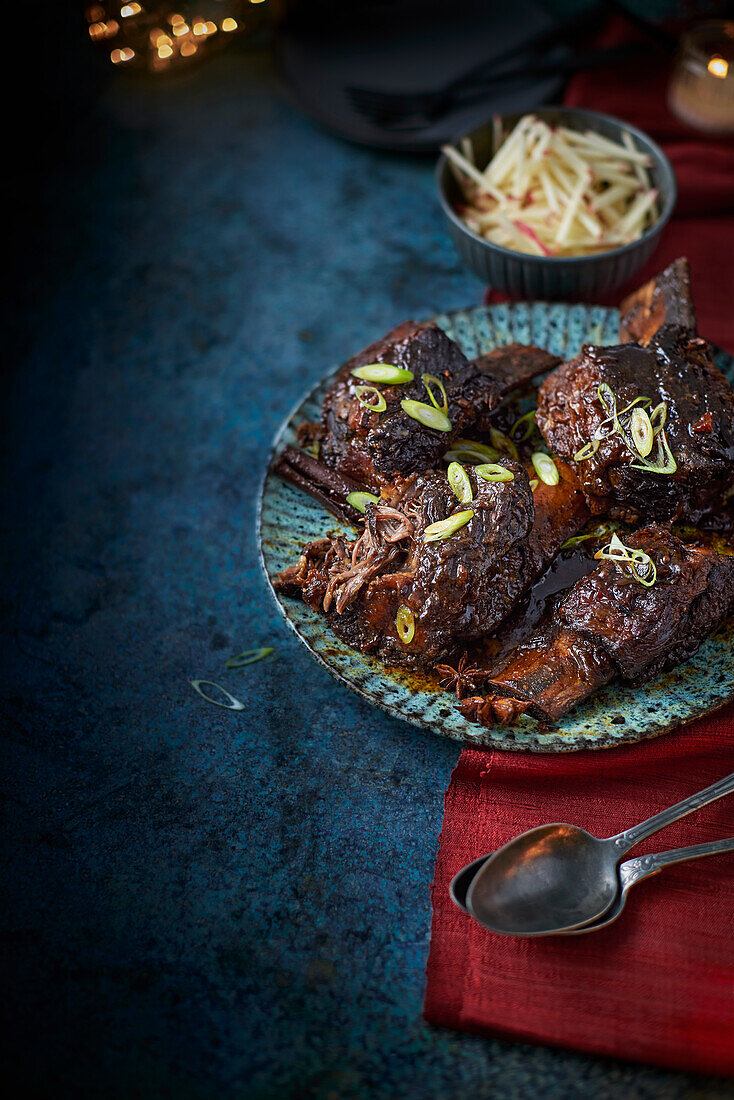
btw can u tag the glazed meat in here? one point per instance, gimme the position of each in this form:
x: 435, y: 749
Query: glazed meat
x: 374, y: 447
x: 609, y: 624
x: 449, y: 585
x: 674, y: 374
x: 642, y: 432
x: 664, y: 300
x: 453, y: 590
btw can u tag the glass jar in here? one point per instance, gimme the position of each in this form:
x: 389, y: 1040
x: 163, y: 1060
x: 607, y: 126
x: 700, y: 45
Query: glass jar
x: 701, y: 89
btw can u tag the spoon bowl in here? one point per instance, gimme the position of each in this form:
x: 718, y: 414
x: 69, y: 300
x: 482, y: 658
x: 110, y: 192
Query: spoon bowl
x: 460, y: 883
x: 555, y: 876
x: 558, y: 877
x: 630, y: 873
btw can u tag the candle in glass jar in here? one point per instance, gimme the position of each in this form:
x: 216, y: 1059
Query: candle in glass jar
x: 701, y: 91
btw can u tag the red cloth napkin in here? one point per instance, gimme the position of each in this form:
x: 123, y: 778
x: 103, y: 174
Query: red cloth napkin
x: 657, y: 986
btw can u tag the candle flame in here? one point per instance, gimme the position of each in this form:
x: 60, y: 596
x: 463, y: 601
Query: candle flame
x: 718, y: 67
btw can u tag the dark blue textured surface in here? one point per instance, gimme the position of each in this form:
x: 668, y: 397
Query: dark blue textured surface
x: 199, y: 903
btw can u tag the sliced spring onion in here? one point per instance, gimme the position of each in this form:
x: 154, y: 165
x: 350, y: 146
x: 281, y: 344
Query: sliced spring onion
x: 664, y: 461
x: 383, y: 372
x: 431, y: 380
x: 428, y: 415
x: 361, y: 500
x: 597, y: 533
x: 405, y: 624
x: 643, y: 569
x: 248, y: 657
x: 362, y: 393
x: 445, y: 528
x: 587, y: 451
x: 545, y: 468
x: 643, y: 402
x: 523, y: 427
x: 503, y: 443
x: 639, y: 564
x: 658, y: 416
x: 468, y: 450
x: 534, y: 483
x: 492, y: 471
x: 608, y: 399
x: 233, y: 704
x: 641, y: 431
x: 460, y: 483
x: 605, y: 394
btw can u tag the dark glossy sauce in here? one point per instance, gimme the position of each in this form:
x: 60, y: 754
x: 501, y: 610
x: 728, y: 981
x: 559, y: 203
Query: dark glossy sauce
x: 565, y: 570
x: 487, y: 653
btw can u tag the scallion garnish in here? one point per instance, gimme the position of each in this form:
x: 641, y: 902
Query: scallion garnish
x: 361, y: 500
x: 545, y: 468
x: 460, y: 483
x: 534, y: 483
x: 597, y: 533
x: 663, y: 463
x: 428, y: 415
x: 405, y: 624
x: 608, y: 400
x: 492, y: 471
x: 248, y: 657
x: 233, y: 704
x: 587, y: 451
x: 641, y: 431
x: 503, y: 443
x: 429, y: 380
x: 658, y: 416
x: 468, y: 450
x: 445, y: 528
x: 523, y: 427
x: 383, y: 372
x: 362, y: 393
x: 639, y: 564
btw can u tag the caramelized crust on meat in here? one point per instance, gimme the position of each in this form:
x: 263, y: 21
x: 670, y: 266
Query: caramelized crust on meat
x: 374, y: 447
x: 664, y: 300
x: 547, y: 676
x: 677, y: 369
x: 476, y: 585
x: 458, y: 588
x: 609, y: 624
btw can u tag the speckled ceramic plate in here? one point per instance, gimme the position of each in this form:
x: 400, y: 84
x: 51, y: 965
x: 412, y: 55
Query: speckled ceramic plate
x: 288, y: 519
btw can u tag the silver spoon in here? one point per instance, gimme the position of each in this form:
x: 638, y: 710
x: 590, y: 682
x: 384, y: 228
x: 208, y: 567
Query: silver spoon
x: 630, y: 873
x: 559, y: 877
x: 462, y: 880
x: 635, y: 870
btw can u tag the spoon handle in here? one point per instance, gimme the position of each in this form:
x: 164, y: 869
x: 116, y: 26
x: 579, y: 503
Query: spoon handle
x: 635, y: 870
x: 626, y: 840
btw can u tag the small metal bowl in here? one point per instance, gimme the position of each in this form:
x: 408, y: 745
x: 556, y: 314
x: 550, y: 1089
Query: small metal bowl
x: 550, y: 277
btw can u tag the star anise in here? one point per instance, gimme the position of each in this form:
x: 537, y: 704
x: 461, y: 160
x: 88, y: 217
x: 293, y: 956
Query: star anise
x: 461, y: 678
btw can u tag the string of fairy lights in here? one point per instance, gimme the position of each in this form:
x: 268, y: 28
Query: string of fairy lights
x: 154, y: 37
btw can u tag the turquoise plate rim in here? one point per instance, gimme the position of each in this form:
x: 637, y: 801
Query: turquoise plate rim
x: 618, y: 714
